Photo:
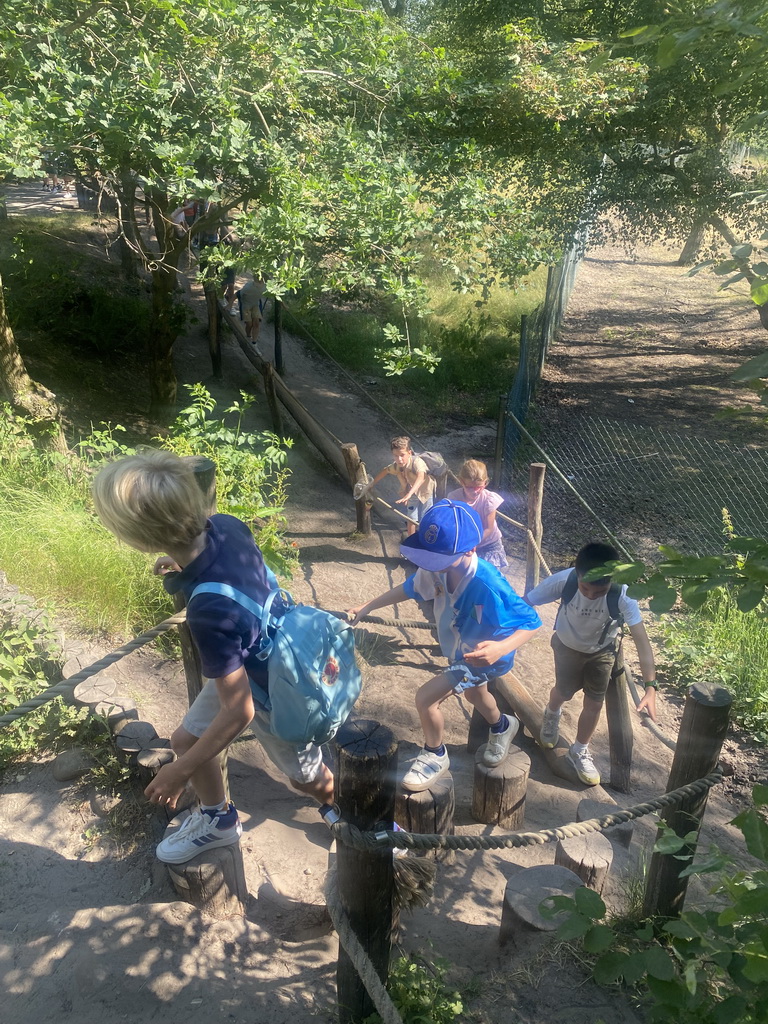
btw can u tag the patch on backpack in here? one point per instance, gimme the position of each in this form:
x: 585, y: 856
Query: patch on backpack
x: 331, y: 671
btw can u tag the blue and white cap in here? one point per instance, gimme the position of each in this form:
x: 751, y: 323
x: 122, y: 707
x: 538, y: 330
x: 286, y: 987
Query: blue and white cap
x: 449, y: 529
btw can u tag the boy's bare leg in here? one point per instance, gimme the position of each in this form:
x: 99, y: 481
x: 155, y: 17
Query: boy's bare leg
x: 320, y: 788
x: 429, y: 697
x: 485, y: 702
x: 588, y: 719
x: 207, y: 780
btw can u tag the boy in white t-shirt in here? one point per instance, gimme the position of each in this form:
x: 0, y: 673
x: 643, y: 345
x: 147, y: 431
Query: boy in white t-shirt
x: 587, y: 632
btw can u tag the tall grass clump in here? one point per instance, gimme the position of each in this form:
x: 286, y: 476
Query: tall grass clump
x: 719, y: 643
x: 53, y: 546
x: 477, y: 345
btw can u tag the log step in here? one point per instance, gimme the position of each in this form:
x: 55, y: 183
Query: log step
x: 429, y: 813
x: 498, y: 795
x: 589, y: 856
x: 520, y: 915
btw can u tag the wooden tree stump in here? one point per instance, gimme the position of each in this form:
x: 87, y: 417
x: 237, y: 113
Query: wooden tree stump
x: 589, y: 856
x: 621, y: 834
x: 96, y: 690
x: 520, y: 915
x: 498, y: 796
x: 429, y: 813
x: 144, y: 733
x: 150, y: 760
x: 214, y: 881
x: 118, y: 713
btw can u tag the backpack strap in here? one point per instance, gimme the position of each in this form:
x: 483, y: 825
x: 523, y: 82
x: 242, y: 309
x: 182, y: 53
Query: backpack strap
x: 612, y: 600
x: 263, y: 614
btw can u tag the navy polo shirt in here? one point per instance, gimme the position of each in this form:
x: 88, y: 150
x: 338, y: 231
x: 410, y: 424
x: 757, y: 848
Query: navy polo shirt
x: 226, y: 634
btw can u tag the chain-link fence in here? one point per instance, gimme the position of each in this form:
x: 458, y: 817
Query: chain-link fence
x: 536, y: 333
x: 648, y: 486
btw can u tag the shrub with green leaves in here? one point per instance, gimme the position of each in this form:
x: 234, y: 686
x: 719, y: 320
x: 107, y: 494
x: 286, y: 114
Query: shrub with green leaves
x: 251, y: 474
x: 52, y: 544
x: 705, y: 967
x: 419, y: 991
x: 27, y: 650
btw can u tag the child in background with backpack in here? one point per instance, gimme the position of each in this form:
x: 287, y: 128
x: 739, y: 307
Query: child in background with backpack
x: 152, y: 502
x: 480, y: 621
x: 587, y: 631
x: 473, y: 477
x: 417, y: 485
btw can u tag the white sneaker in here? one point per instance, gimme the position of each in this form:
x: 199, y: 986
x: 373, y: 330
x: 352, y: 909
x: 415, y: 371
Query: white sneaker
x: 498, y: 743
x: 426, y: 769
x: 550, y: 729
x: 584, y: 765
x: 201, y: 831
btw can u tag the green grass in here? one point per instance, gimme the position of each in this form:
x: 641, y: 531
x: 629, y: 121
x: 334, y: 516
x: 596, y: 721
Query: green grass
x: 723, y: 645
x: 51, y: 545
x: 477, y: 346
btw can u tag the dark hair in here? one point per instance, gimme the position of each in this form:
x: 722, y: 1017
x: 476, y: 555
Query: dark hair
x: 593, y: 556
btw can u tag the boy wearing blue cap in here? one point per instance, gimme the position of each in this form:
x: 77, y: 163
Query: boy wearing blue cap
x: 480, y: 621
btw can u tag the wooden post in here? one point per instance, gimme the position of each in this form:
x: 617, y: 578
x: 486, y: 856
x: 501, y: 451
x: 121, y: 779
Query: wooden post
x: 269, y: 391
x: 429, y: 812
x: 535, y: 496
x: 621, y: 737
x: 279, y: 364
x: 214, y: 327
x: 498, y: 458
x: 498, y: 794
x: 357, y: 474
x: 365, y: 793
x: 702, y: 731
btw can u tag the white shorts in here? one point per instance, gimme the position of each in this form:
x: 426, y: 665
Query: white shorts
x: 300, y: 763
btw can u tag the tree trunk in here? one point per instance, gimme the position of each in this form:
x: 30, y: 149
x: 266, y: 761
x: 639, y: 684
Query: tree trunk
x: 694, y: 241
x: 25, y: 395
x: 164, y: 329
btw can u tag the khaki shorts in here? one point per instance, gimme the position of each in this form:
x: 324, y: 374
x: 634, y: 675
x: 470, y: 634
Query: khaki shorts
x: 252, y: 315
x: 575, y: 670
x: 300, y: 763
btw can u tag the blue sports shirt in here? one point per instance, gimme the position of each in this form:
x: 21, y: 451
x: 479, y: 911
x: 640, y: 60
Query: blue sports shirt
x: 483, y: 607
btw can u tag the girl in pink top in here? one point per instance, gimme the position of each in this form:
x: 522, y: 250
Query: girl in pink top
x: 473, y: 477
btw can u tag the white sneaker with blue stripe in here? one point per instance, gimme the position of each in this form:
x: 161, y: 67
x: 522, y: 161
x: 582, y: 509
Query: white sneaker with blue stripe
x: 201, y: 831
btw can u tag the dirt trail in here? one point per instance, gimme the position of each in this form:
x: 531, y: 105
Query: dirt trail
x: 92, y: 933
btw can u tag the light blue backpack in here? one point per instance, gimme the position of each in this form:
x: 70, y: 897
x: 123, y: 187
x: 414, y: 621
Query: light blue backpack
x: 314, y: 680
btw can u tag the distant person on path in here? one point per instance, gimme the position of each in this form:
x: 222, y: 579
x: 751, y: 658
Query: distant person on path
x: 473, y: 477
x: 417, y: 486
x: 587, y: 633
x: 152, y: 502
x: 251, y: 297
x: 480, y: 620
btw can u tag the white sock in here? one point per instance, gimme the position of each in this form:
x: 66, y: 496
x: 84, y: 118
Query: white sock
x: 579, y: 748
x: 217, y: 809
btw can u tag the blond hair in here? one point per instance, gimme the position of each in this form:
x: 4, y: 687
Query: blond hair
x: 474, y: 472
x: 150, y: 501
x: 400, y: 444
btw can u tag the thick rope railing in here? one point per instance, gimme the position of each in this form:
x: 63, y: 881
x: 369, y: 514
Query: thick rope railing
x: 346, y: 833
x: 66, y: 686
x: 373, y: 983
